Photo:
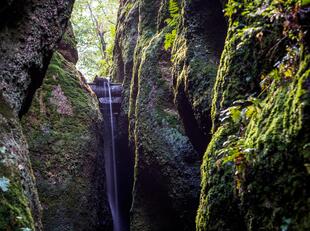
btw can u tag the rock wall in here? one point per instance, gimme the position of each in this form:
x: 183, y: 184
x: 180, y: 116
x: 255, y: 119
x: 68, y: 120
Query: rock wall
x: 196, y: 55
x: 256, y: 168
x: 19, y: 203
x: 245, y: 102
x: 64, y: 132
x: 166, y: 171
x: 29, y: 31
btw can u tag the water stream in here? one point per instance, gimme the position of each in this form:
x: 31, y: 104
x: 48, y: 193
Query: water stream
x: 110, y: 158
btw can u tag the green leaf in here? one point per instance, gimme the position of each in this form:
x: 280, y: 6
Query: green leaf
x: 235, y: 114
x: 249, y: 111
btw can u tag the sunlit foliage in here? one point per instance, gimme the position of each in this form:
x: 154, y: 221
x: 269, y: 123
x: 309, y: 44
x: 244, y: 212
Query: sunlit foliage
x: 94, y: 23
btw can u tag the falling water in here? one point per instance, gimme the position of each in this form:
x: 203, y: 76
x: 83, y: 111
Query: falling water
x: 110, y: 161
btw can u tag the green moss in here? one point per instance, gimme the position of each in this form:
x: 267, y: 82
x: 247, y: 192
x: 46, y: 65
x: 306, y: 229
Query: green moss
x: 167, y: 118
x: 14, y: 205
x: 247, y: 55
x: 255, y: 166
x: 14, y: 209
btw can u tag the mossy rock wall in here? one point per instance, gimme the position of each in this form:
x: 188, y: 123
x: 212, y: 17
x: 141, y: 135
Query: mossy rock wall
x: 196, y: 49
x: 249, y: 106
x: 256, y: 168
x: 19, y: 203
x: 63, y: 129
x: 166, y: 171
x: 28, y: 32
x: 166, y: 166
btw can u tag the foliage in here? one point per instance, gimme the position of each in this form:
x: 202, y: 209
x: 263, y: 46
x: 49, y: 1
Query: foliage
x: 172, y: 21
x: 305, y: 2
x: 90, y: 19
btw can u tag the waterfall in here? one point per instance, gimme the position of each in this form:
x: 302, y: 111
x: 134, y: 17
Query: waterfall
x: 110, y: 158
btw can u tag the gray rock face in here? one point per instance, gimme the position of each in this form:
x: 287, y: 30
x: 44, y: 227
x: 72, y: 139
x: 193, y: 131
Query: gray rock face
x: 29, y: 31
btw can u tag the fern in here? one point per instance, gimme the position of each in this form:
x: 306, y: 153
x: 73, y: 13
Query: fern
x: 172, y: 22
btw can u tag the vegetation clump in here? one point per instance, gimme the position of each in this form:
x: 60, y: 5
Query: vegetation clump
x: 172, y: 23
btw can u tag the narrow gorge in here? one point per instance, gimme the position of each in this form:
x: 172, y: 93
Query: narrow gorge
x: 154, y: 115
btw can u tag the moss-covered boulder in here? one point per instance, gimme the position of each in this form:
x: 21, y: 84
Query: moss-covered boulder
x: 256, y: 169
x: 63, y: 129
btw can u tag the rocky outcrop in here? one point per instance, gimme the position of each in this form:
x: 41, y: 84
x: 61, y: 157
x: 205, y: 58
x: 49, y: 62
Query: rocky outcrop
x: 166, y: 180
x: 29, y: 30
x: 64, y: 132
x: 256, y: 167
